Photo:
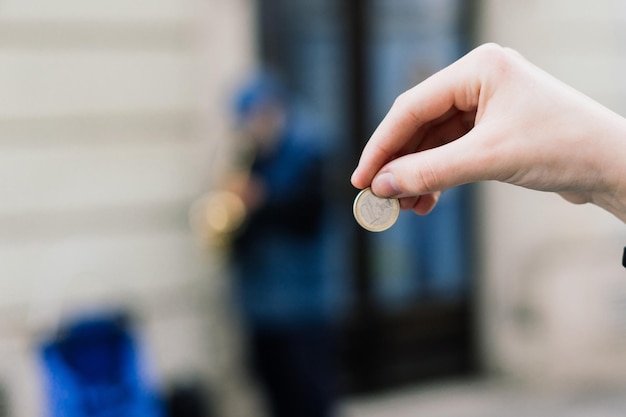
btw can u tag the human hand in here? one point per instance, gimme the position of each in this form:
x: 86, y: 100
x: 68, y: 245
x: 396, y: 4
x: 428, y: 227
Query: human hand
x: 249, y: 188
x: 494, y: 116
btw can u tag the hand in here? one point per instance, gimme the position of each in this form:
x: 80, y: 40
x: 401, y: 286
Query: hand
x: 494, y: 116
x: 249, y: 188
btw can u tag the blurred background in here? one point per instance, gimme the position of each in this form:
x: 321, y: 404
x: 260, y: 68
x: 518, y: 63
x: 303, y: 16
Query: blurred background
x: 117, y: 117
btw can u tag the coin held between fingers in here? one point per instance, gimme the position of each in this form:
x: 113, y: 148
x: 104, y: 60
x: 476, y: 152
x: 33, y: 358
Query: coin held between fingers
x: 374, y: 213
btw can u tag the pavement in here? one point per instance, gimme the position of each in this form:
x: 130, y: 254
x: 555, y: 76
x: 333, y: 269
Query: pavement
x: 491, y: 399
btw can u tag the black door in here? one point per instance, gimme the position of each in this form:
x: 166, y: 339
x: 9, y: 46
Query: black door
x: 406, y: 294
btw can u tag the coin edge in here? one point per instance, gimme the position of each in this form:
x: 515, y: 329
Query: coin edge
x: 396, y: 209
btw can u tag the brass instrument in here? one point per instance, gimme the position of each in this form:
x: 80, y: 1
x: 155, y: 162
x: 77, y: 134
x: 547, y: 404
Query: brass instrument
x: 218, y: 215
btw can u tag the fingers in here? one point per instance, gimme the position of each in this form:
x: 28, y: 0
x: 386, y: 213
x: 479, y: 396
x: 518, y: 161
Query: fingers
x: 421, y: 204
x: 410, y: 113
x: 451, y: 129
x: 443, y: 94
x: 434, y: 170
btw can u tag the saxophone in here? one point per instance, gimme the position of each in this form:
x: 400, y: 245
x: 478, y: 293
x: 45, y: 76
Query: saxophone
x: 217, y: 216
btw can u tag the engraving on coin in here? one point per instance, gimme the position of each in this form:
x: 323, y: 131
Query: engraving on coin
x: 374, y: 213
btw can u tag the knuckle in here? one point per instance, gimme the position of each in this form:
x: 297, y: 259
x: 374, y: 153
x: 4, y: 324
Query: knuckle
x: 403, y: 101
x: 496, y: 58
x: 428, y: 179
x: 490, y: 48
x: 405, y: 104
x: 382, y: 152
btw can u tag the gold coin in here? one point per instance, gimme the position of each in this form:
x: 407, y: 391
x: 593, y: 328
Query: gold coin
x: 374, y: 213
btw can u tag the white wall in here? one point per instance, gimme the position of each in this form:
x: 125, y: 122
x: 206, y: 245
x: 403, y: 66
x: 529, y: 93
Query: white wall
x: 111, y: 115
x: 552, y: 273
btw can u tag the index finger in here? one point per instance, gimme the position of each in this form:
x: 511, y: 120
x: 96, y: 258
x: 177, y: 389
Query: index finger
x: 449, y: 89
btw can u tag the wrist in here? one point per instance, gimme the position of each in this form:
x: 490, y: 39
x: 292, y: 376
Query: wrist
x: 612, y: 195
x: 615, y: 202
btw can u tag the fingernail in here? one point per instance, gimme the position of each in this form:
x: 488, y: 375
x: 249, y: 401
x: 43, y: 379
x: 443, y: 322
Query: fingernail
x: 385, y: 185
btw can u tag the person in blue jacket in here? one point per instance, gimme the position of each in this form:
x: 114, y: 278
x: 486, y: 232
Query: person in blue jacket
x: 278, y: 255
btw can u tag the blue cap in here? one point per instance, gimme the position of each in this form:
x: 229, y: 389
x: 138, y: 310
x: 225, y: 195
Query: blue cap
x: 262, y: 89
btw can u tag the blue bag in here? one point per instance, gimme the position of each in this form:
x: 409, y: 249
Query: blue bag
x: 93, y: 369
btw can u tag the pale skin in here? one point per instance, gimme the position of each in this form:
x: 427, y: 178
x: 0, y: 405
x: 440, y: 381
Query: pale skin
x: 492, y: 115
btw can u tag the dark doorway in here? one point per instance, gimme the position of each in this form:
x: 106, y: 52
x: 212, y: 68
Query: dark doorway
x: 407, y: 294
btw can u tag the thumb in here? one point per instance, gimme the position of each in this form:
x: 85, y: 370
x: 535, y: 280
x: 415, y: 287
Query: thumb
x: 437, y: 169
